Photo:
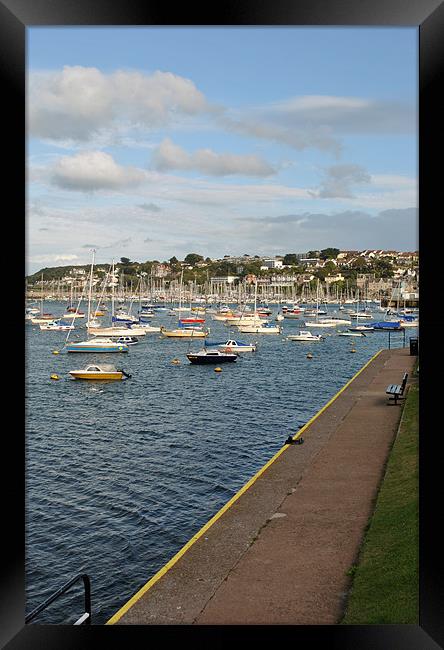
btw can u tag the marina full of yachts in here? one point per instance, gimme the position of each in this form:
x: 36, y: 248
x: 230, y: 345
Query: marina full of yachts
x: 212, y: 334
x: 106, y: 329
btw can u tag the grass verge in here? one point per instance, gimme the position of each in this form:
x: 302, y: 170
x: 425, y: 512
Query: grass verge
x: 385, y: 580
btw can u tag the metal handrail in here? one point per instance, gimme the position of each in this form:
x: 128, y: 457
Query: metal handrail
x: 86, y: 617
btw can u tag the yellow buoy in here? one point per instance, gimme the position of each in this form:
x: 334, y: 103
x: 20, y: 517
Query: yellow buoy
x: 55, y: 376
x: 175, y: 361
x: 55, y: 352
x: 353, y: 350
x: 218, y: 369
x: 309, y: 356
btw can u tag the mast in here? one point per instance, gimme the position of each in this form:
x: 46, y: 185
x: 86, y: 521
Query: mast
x: 41, y: 299
x: 112, y: 295
x: 90, y: 286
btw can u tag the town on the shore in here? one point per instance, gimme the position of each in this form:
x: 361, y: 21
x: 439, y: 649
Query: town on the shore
x: 335, y: 275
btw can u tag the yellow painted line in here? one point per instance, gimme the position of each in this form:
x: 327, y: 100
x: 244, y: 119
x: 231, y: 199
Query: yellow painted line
x: 228, y: 505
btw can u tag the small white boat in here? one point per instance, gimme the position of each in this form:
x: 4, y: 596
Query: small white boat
x: 319, y: 323
x: 104, y: 371
x: 147, y: 328
x: 359, y: 334
x: 78, y: 315
x: 305, y: 335
x: 249, y: 319
x: 124, y: 317
x: 262, y: 328
x: 44, y: 318
x: 127, y: 340
x: 184, y: 333
x: 361, y: 314
x: 234, y: 346
x: 114, y: 332
x: 97, y: 345
x: 55, y: 326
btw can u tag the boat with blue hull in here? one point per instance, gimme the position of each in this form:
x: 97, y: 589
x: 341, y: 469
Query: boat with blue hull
x: 392, y: 326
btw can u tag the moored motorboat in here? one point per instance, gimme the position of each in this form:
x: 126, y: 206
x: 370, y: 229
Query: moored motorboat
x: 233, y: 346
x: 56, y: 326
x: 127, y: 340
x: 97, y: 345
x: 211, y: 356
x: 305, y: 335
x: 262, y: 328
x: 184, y: 333
x: 362, y: 328
x: 105, y: 371
x: 113, y: 332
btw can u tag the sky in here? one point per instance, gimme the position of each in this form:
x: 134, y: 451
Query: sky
x: 153, y: 142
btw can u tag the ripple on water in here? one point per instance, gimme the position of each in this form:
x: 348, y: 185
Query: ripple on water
x: 120, y: 476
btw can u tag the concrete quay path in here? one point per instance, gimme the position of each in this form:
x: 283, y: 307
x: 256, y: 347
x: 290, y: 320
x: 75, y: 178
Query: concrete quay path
x: 279, y: 551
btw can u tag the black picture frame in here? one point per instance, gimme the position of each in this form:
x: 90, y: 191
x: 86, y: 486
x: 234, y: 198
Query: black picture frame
x: 428, y: 16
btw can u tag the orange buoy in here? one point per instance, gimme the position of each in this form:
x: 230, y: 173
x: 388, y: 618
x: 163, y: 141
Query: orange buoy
x: 218, y: 369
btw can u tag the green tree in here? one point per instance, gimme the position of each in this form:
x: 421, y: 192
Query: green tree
x: 329, y: 253
x: 383, y: 268
x: 330, y: 267
x: 290, y: 259
x: 193, y: 258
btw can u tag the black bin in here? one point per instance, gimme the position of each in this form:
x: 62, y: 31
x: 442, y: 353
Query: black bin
x: 413, y: 346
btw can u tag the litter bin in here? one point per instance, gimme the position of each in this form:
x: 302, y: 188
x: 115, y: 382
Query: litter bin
x: 413, y: 346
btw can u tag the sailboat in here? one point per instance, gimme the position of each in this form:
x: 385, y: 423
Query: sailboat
x: 260, y: 327
x: 42, y: 317
x: 323, y: 322
x: 182, y: 331
x: 99, y: 344
x: 124, y: 329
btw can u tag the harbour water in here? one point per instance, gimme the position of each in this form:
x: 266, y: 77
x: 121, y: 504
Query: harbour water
x: 120, y: 475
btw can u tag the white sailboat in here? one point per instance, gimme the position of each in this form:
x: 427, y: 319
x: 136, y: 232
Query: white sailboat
x: 100, y: 344
x: 42, y: 317
x: 183, y: 331
x: 116, y: 330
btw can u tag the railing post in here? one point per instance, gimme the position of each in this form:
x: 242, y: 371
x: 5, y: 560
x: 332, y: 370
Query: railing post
x: 86, y: 617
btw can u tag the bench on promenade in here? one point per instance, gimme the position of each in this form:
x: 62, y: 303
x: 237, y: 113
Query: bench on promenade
x: 397, y: 390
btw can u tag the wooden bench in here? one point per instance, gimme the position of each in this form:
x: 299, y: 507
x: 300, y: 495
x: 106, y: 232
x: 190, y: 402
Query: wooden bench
x: 397, y: 390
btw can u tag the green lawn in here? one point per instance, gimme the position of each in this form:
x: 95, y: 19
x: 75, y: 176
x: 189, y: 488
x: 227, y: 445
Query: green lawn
x: 385, y: 580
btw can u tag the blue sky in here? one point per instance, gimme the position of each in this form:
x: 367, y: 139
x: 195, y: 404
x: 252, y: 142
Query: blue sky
x: 154, y: 142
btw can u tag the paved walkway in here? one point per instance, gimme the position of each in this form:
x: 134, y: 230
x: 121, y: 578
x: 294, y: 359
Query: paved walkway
x: 279, y: 554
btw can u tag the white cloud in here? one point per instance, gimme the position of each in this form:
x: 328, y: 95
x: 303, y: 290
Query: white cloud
x: 93, y: 170
x: 318, y: 121
x: 170, y: 156
x: 57, y: 259
x: 346, y: 115
x: 79, y: 102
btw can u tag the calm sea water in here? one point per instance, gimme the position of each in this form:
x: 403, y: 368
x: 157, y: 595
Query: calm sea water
x: 120, y: 475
